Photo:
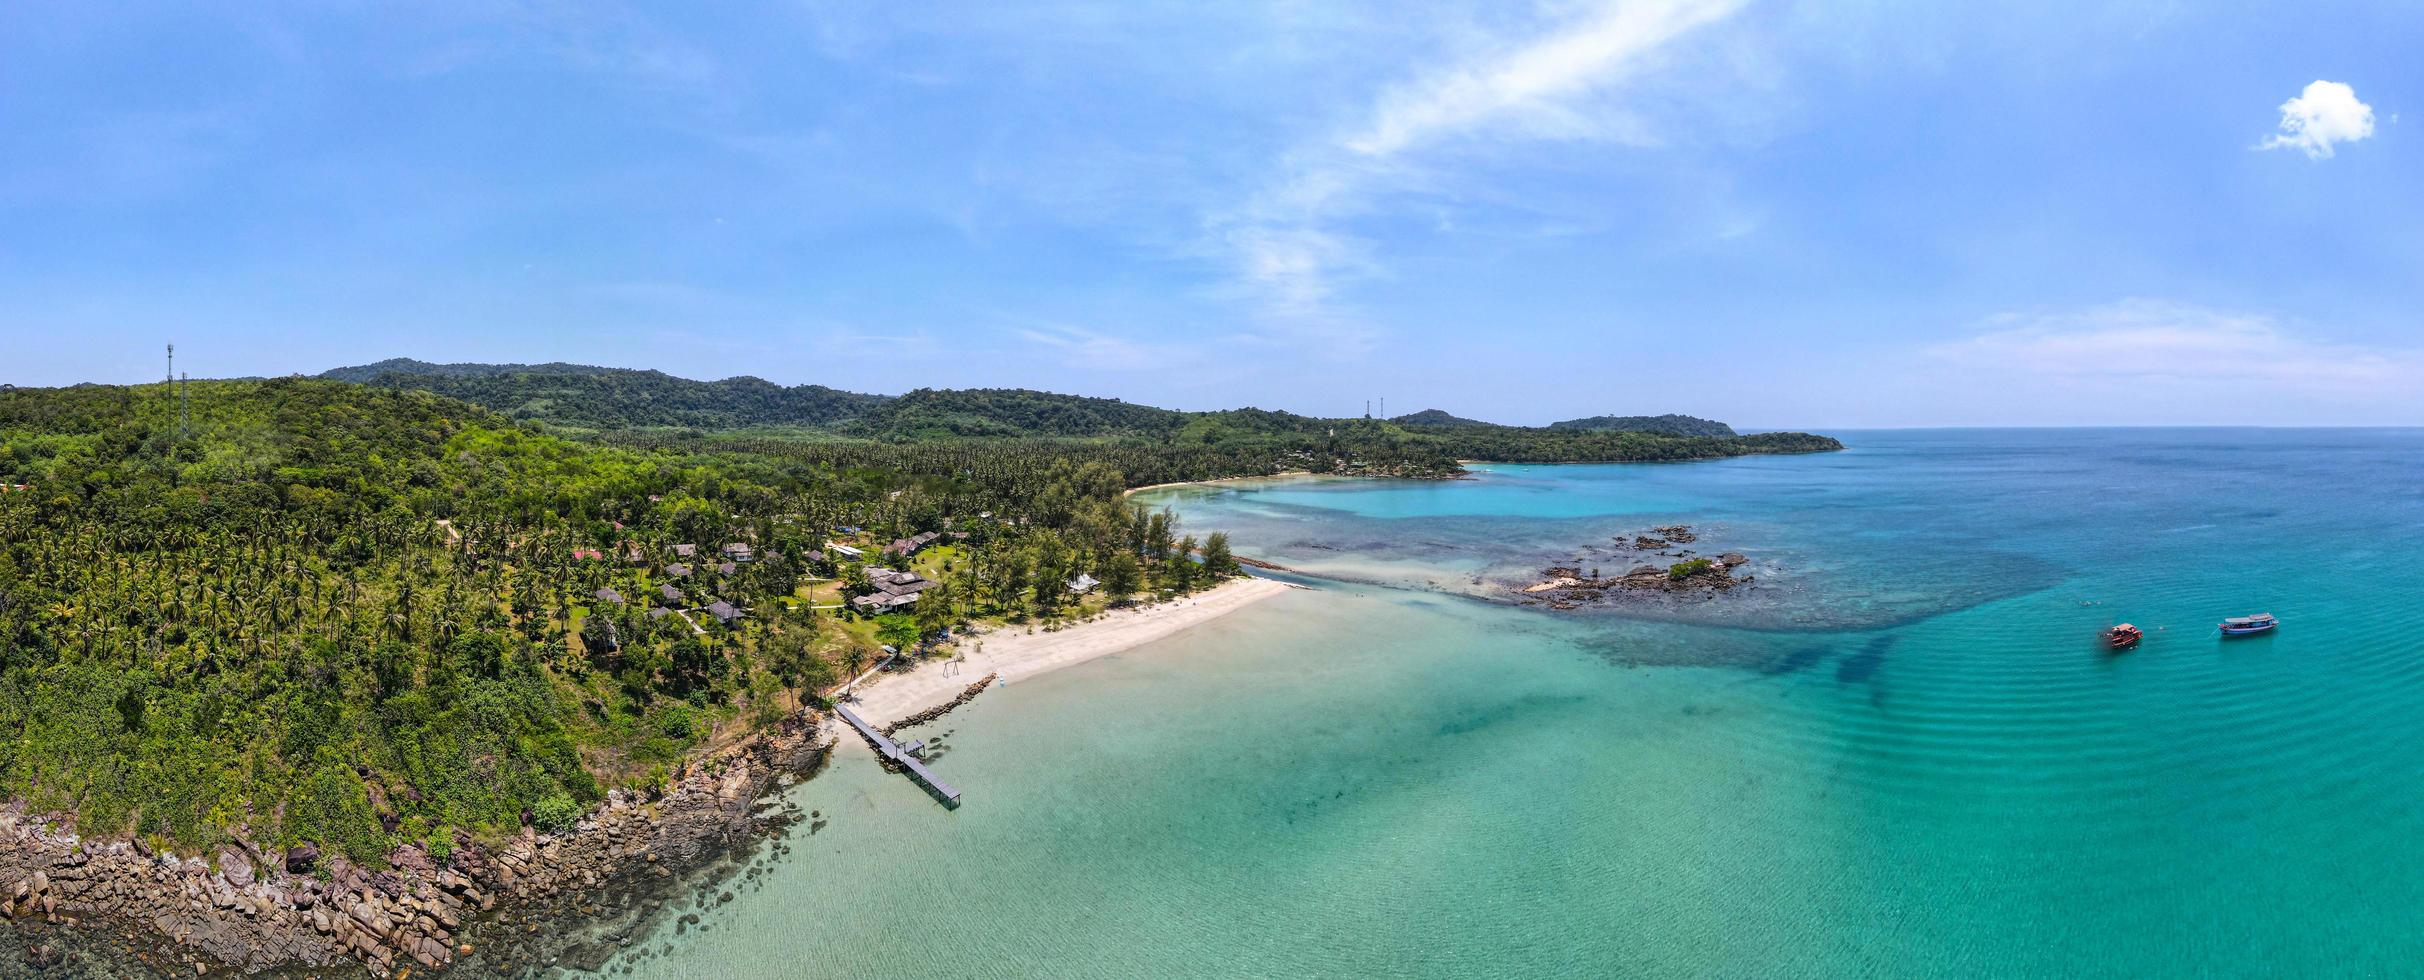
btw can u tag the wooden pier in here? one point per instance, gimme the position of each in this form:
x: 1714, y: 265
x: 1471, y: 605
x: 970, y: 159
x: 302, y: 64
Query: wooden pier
x: 892, y: 750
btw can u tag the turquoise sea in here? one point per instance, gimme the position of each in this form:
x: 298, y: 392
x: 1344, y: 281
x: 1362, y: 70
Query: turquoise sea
x: 1899, y: 752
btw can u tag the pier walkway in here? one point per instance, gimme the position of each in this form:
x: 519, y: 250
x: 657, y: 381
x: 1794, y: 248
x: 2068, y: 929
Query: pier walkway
x: 892, y: 750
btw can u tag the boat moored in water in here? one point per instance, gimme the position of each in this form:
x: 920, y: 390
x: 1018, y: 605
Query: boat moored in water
x: 2123, y: 637
x: 2249, y: 625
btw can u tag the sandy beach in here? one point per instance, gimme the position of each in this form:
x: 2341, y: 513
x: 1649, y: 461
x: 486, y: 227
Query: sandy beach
x: 1015, y: 653
x: 1226, y: 481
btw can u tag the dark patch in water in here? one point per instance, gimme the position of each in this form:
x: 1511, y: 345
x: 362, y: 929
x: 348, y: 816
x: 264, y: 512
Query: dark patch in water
x: 1506, y: 712
x: 1800, y: 659
x: 1860, y: 667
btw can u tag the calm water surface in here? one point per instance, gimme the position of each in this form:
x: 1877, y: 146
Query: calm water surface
x: 1900, y: 752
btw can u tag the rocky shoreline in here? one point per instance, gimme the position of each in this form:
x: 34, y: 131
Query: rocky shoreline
x: 1688, y: 575
x: 90, y: 907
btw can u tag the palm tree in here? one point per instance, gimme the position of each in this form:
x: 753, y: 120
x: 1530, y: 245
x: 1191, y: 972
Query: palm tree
x: 856, y: 657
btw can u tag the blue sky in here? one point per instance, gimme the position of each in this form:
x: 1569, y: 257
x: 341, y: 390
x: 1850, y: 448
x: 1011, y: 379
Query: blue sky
x: 1775, y: 213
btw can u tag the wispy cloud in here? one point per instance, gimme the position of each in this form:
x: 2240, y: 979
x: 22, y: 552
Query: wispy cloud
x: 2147, y: 341
x: 1088, y: 349
x: 1287, y: 245
x: 2325, y: 114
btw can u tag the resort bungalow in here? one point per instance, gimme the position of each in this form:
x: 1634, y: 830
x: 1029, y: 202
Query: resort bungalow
x: 740, y: 552
x: 879, y: 601
x: 723, y: 612
x: 1083, y: 584
x: 726, y: 568
x: 908, y: 546
x: 672, y: 595
x: 659, y: 612
x: 678, y: 571
x: 685, y: 550
x: 609, y: 595
x: 892, y: 590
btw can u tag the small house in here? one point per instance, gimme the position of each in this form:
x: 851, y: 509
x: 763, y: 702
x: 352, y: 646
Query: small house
x: 658, y: 612
x: 911, y: 545
x: 723, y: 612
x: 726, y: 568
x: 609, y: 595
x: 678, y: 571
x: 672, y: 594
x: 844, y: 550
x: 685, y: 550
x: 740, y: 552
x: 1083, y: 584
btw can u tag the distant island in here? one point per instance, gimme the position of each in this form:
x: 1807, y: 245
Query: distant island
x: 1673, y: 425
x: 316, y: 670
x: 1669, y: 425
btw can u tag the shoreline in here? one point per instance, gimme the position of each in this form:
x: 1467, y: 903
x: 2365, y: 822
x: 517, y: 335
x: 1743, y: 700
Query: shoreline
x: 117, y: 907
x: 527, y: 901
x: 1132, y: 491
x: 1018, y: 653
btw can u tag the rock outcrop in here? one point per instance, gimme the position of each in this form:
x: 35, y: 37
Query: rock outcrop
x: 251, y: 911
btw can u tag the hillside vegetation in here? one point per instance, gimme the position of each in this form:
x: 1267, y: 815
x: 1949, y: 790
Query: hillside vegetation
x: 358, y: 616
x: 634, y: 407
x: 582, y: 397
x: 1670, y: 425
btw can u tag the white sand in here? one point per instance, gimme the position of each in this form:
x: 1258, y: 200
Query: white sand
x: 1014, y: 653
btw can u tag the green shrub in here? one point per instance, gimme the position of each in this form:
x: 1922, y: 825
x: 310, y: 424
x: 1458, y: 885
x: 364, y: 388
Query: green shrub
x: 1687, y: 569
x: 555, y: 813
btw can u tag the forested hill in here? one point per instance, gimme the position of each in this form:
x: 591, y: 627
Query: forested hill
x: 584, y: 397
x: 1435, y: 417
x: 1672, y: 425
x: 997, y: 412
x: 653, y: 408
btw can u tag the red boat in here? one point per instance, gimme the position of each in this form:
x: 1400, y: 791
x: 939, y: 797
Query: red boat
x: 2123, y: 637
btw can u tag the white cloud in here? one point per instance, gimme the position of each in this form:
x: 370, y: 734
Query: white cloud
x: 2325, y: 114
x: 1528, y: 82
x: 1285, y: 243
x: 1087, y: 349
x: 2150, y: 342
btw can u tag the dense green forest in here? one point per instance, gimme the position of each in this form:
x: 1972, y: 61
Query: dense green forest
x: 1432, y: 417
x: 1672, y: 425
x: 583, y: 397
x: 1160, y: 444
x: 360, y: 616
